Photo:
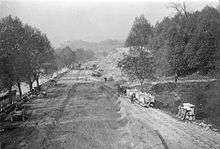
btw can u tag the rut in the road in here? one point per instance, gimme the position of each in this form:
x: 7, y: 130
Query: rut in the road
x: 87, y: 118
x: 70, y: 93
x: 51, y: 128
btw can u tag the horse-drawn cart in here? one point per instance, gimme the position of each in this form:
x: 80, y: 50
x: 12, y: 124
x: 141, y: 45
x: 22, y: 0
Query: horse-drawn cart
x: 144, y: 99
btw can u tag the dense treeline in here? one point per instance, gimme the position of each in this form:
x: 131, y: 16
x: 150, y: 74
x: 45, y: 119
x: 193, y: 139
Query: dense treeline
x: 191, y: 41
x: 84, y: 55
x: 181, y: 45
x: 66, y: 56
x: 25, y: 54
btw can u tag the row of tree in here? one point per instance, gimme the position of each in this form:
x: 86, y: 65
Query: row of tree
x: 25, y: 54
x: 191, y: 41
x: 66, y: 56
x: 181, y: 45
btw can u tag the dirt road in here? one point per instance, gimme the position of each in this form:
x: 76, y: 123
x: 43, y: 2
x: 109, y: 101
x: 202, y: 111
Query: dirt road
x: 176, y: 134
x: 81, y: 112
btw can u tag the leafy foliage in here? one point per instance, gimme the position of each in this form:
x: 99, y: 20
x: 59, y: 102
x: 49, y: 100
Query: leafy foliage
x: 11, y: 35
x: 138, y: 64
x: 24, y: 51
x: 38, y: 53
x: 194, y: 41
x: 190, y: 42
x: 83, y: 55
x: 140, y: 33
x: 137, y: 67
x: 65, y: 56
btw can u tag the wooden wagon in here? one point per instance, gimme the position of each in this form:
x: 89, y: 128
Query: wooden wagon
x: 7, y: 100
x: 186, y: 111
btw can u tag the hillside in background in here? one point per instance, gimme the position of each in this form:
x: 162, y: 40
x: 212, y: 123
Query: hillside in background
x: 101, y: 48
x: 109, y: 63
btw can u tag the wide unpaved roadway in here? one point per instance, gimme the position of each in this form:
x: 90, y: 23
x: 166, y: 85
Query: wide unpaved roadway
x: 174, y: 133
x: 82, y: 112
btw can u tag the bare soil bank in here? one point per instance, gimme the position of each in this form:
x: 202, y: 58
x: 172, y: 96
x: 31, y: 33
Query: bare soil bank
x: 205, y: 95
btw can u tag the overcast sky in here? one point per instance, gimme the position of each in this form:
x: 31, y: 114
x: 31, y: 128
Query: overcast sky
x: 64, y: 20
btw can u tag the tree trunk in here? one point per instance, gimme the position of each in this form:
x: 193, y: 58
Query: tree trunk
x: 9, y: 92
x: 19, y: 89
x: 30, y: 83
x: 37, y: 80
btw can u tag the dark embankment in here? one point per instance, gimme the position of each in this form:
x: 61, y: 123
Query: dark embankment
x: 204, y: 95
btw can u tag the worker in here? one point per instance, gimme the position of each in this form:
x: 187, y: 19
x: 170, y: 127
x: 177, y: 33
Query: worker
x: 132, y: 98
x: 179, y: 111
x: 124, y: 91
x: 119, y: 90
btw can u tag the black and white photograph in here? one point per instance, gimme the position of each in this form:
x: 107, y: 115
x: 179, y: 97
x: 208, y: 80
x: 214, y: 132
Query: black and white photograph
x: 109, y: 74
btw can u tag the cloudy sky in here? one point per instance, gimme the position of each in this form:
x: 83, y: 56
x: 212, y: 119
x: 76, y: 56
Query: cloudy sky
x: 90, y: 20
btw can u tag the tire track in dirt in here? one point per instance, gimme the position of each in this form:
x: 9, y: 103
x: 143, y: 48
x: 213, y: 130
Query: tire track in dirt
x: 162, y: 140
x: 185, y: 133
x: 65, y: 102
x: 177, y: 133
x: 81, y: 131
x: 50, y: 129
x: 93, y: 130
x: 134, y: 133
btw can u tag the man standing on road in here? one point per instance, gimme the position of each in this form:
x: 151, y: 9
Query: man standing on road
x: 132, y: 98
x: 119, y: 90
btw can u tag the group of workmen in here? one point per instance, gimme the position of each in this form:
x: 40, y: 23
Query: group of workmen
x: 123, y: 91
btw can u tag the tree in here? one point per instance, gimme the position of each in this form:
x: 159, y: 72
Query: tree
x: 193, y: 42
x: 140, y: 33
x: 180, y: 8
x: 158, y: 46
x: 138, y: 66
x: 66, y: 56
x: 84, y: 55
x: 43, y: 56
x: 205, y: 44
x: 11, y: 38
x: 38, y: 55
x: 23, y: 53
